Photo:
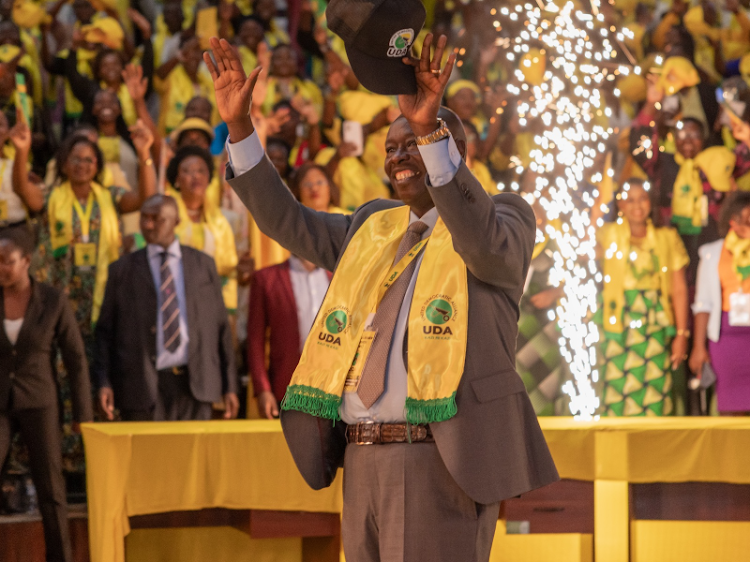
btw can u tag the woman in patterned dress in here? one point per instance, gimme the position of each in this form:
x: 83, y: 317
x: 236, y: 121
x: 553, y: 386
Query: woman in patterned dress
x: 644, y: 312
x: 81, y: 237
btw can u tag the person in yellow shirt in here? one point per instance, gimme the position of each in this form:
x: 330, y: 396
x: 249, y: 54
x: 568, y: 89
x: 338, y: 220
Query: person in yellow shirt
x: 284, y: 81
x: 182, y: 78
x: 265, y: 11
x: 477, y: 167
x: 169, y: 29
x: 202, y: 225
x: 249, y: 33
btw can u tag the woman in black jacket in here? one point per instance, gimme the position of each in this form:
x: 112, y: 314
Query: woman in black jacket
x: 36, y: 322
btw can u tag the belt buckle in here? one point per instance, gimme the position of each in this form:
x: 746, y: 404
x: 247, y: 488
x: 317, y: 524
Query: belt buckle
x: 176, y: 370
x: 360, y: 426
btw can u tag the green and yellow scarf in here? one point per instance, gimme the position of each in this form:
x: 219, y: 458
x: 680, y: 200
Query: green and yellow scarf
x: 717, y: 163
x: 437, y: 324
x: 213, y: 236
x: 60, y: 212
x: 740, y: 250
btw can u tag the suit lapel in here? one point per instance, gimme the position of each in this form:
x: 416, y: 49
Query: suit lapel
x: 146, y: 290
x: 285, y: 278
x: 189, y: 265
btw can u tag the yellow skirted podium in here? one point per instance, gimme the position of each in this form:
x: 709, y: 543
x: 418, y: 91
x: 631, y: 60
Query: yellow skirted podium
x: 137, y: 469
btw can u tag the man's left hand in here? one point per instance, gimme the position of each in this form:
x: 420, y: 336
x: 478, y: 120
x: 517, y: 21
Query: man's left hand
x: 231, y: 405
x: 421, y: 109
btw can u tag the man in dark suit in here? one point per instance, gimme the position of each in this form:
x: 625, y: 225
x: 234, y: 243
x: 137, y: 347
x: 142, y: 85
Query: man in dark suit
x: 421, y: 491
x: 284, y: 300
x: 163, y: 342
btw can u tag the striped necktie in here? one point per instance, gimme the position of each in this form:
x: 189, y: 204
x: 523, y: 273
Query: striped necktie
x: 372, y: 384
x: 170, y: 308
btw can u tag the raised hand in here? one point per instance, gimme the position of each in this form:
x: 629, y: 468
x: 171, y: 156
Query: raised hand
x: 20, y: 134
x: 142, y: 138
x: 234, y: 90
x: 140, y: 21
x: 136, y: 84
x: 421, y: 109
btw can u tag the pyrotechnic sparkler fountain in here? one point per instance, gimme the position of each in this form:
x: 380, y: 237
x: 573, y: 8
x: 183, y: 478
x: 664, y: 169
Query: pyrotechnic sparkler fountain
x: 578, y: 52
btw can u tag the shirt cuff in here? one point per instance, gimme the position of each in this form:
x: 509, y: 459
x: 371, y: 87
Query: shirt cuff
x: 442, y: 160
x: 245, y: 155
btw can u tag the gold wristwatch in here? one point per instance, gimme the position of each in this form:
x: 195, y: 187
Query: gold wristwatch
x: 442, y: 132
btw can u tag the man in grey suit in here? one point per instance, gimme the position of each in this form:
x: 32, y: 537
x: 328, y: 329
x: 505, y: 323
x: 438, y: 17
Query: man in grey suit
x: 412, y: 492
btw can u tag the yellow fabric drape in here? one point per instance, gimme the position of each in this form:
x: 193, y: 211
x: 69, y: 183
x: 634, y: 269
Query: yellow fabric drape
x: 214, y: 237
x: 60, y: 211
x: 717, y: 163
x: 438, y: 322
x: 614, y: 239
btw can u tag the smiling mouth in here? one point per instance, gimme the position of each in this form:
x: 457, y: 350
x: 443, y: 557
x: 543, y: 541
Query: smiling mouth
x: 405, y: 175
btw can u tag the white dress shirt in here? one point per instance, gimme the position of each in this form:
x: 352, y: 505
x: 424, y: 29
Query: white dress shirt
x: 309, y: 288
x: 442, y: 161
x: 14, y: 207
x: 179, y: 357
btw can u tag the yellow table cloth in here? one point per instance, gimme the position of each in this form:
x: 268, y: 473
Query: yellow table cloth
x: 142, y: 468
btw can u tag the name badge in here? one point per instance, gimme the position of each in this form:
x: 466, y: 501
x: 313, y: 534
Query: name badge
x: 354, y: 376
x: 84, y: 254
x: 739, y: 309
x: 3, y: 210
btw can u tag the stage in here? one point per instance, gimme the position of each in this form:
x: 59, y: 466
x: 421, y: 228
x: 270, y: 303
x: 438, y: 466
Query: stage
x: 644, y: 490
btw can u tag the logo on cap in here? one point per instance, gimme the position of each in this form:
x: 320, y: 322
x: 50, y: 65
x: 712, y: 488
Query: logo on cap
x: 400, y: 43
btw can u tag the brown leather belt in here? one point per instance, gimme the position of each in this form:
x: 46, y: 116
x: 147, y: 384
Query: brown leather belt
x: 370, y: 433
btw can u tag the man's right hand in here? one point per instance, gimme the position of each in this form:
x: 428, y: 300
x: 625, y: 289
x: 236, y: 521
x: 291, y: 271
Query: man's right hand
x: 107, y: 402
x: 698, y: 357
x: 234, y: 90
x: 267, y: 405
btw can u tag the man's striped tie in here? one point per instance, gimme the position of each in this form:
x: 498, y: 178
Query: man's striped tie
x: 170, y: 308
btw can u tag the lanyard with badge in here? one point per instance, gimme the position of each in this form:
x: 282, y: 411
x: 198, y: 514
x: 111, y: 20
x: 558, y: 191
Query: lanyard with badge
x: 354, y: 375
x: 84, y: 253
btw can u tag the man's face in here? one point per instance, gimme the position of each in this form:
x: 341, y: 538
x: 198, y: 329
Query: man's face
x: 158, y: 221
x: 689, y: 140
x: 106, y: 106
x: 404, y: 165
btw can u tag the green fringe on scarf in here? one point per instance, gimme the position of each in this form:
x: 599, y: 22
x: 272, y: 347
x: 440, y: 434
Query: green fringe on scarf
x: 429, y: 411
x: 312, y: 401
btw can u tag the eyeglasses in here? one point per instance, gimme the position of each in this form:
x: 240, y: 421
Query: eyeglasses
x: 76, y: 160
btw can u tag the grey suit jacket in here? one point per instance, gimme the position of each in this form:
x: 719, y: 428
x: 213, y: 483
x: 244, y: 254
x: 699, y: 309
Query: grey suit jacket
x: 493, y: 447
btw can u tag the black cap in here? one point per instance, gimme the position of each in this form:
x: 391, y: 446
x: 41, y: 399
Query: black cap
x: 377, y: 35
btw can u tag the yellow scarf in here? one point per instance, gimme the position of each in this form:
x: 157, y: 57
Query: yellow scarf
x: 248, y: 58
x: 110, y: 147
x: 615, y: 241
x: 438, y: 322
x: 213, y: 236
x: 73, y: 107
x: 307, y: 89
x: 180, y: 90
x: 740, y: 250
x: 126, y: 105
x: 60, y: 212
x: 717, y: 163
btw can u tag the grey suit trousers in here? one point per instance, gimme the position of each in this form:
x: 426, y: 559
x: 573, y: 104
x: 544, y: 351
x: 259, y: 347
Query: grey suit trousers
x: 402, y: 505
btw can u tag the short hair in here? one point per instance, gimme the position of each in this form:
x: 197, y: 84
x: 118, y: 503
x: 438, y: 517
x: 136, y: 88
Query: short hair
x: 97, y: 62
x: 162, y: 199
x: 183, y: 153
x: 67, y: 147
x: 19, y: 237
x: 303, y: 171
x: 733, y: 205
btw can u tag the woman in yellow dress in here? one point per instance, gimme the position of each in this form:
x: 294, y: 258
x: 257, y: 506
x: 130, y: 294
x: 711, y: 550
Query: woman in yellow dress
x: 644, y: 314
